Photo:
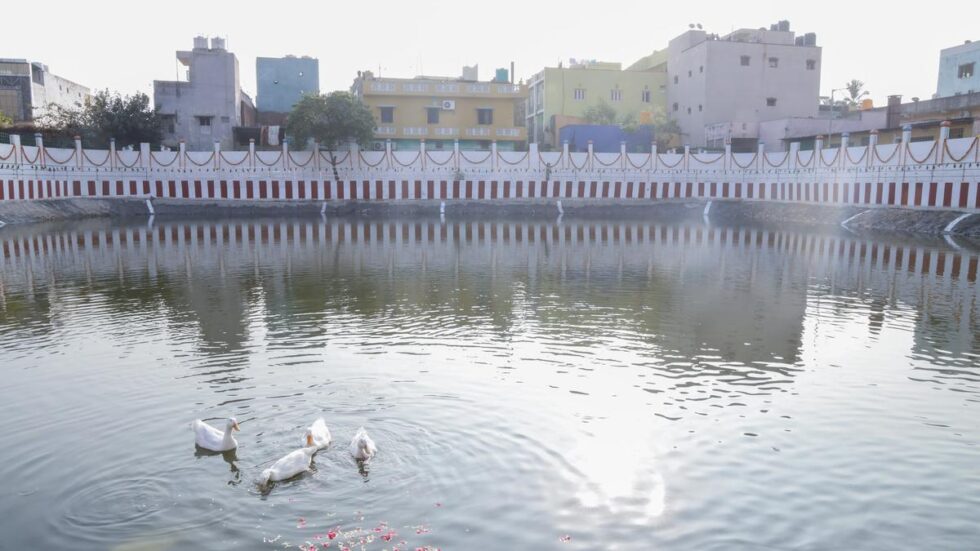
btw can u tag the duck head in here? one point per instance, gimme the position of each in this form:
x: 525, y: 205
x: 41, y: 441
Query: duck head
x: 232, y: 425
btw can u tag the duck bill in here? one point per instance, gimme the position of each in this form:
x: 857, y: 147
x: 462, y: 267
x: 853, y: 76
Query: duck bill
x: 235, y: 427
x: 309, y: 440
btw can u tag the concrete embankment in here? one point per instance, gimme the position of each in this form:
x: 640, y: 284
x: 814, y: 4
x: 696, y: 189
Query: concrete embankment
x: 48, y: 210
x: 920, y: 222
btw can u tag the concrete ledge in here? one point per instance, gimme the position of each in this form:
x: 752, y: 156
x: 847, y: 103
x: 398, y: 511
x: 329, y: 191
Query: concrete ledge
x: 43, y: 210
x: 726, y: 212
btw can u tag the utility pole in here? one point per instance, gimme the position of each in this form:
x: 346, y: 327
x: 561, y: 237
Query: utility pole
x: 830, y: 129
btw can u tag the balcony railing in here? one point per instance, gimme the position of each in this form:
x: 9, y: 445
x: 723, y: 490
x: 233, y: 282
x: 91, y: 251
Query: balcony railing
x: 448, y: 89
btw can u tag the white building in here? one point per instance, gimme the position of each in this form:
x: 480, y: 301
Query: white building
x: 28, y: 87
x: 207, y: 106
x: 958, y: 70
x: 722, y: 87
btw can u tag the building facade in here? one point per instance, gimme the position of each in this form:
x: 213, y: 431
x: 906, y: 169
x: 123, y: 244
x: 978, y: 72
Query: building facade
x: 28, y: 87
x: 206, y: 107
x: 560, y: 96
x: 281, y: 82
x: 442, y: 111
x: 958, y: 70
x: 922, y: 119
x: 721, y: 88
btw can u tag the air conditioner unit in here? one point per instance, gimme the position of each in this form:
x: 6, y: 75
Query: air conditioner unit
x: 448, y: 105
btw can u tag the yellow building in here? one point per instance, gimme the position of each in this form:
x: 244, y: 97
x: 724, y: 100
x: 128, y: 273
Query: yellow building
x: 561, y: 96
x: 444, y: 110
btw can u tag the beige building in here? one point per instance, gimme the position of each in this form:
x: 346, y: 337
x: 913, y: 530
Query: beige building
x: 444, y: 110
x: 722, y: 87
x: 27, y: 88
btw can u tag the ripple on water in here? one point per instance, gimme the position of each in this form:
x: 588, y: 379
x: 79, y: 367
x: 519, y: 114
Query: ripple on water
x: 115, y: 507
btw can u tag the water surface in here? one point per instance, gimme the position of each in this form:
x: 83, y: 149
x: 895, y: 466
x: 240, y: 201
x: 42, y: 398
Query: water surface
x: 560, y: 385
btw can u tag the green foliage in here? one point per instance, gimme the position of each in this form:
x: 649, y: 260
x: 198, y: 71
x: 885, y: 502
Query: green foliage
x: 5, y: 121
x: 665, y: 129
x: 855, y: 88
x: 629, y: 123
x: 600, y: 113
x: 129, y: 119
x: 331, y: 119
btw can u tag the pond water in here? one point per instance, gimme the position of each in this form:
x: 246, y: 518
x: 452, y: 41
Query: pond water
x: 554, y: 385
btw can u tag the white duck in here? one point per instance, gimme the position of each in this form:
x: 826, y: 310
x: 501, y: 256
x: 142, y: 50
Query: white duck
x: 318, y: 435
x: 213, y: 439
x: 289, y: 465
x: 361, y: 446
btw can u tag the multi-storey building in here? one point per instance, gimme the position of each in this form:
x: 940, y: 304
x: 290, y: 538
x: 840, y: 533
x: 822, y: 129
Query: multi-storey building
x: 721, y: 87
x: 28, y: 87
x: 444, y: 110
x: 206, y: 107
x: 958, y: 70
x: 560, y: 96
x: 281, y: 82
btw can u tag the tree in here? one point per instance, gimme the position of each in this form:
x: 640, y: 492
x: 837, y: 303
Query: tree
x: 600, y: 113
x: 855, y: 88
x: 106, y: 115
x: 332, y: 120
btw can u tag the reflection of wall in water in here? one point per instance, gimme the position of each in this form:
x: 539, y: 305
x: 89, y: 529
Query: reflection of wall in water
x: 749, y: 286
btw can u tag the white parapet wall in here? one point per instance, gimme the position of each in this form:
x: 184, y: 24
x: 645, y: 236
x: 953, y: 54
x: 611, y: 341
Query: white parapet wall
x: 928, y: 175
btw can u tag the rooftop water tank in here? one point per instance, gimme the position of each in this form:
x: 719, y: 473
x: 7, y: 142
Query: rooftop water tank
x: 217, y: 43
x: 501, y: 75
x: 200, y: 42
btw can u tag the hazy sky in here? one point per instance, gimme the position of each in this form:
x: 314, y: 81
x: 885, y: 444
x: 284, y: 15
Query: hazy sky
x: 892, y: 47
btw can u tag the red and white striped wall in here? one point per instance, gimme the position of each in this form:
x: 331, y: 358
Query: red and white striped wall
x: 950, y: 193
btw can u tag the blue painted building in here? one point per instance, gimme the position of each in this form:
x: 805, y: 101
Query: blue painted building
x: 606, y: 138
x: 282, y: 81
x: 959, y: 70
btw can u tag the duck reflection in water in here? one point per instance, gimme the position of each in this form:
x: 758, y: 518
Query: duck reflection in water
x: 230, y: 457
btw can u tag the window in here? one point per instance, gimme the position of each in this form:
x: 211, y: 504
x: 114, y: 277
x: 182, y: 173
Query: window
x: 688, y: 110
x: 484, y: 116
x: 616, y: 94
x: 690, y: 74
x: 966, y: 70
x: 770, y: 102
x: 676, y: 107
x: 204, y: 120
x: 387, y: 115
x: 432, y: 115
x: 579, y: 94
x: 811, y: 64
x: 645, y: 96
x: 700, y: 108
x: 956, y: 133
x: 701, y: 69
x: 746, y: 60
x: 773, y: 62
x: 675, y: 79
x: 168, y: 122
x: 225, y: 119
